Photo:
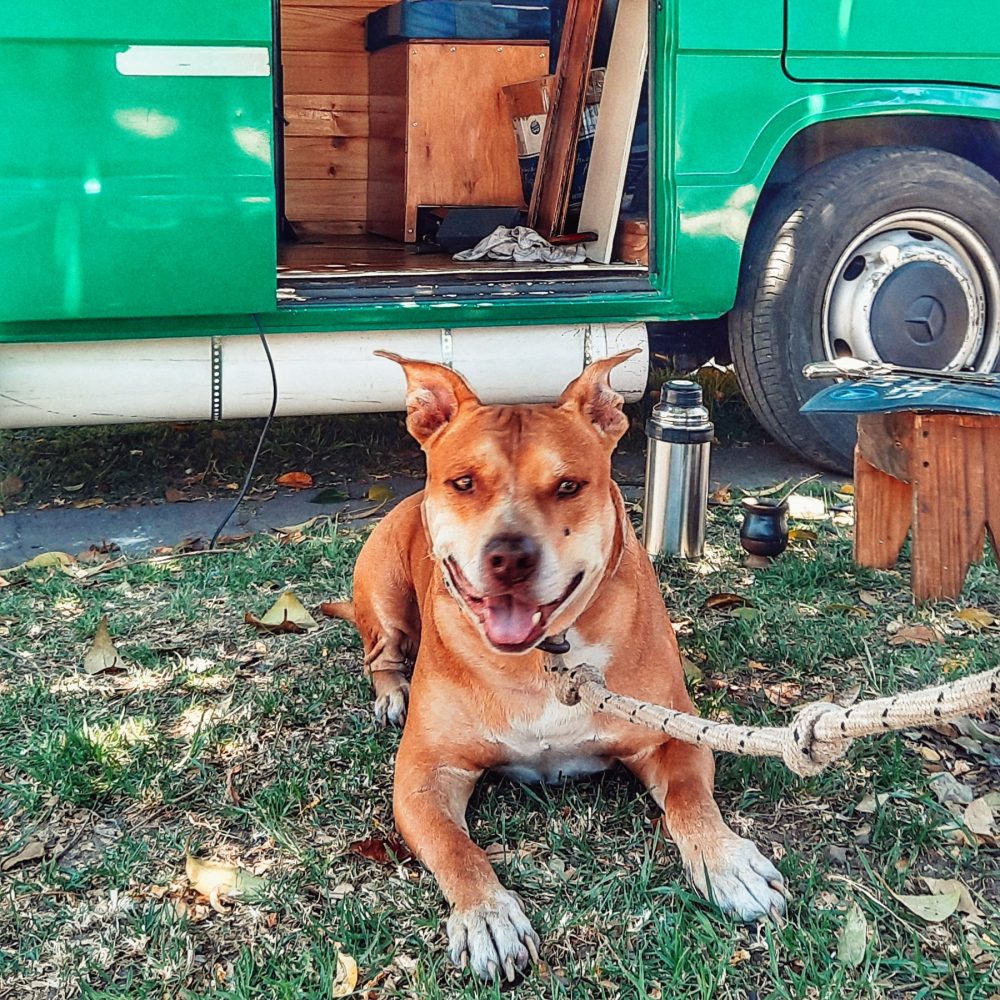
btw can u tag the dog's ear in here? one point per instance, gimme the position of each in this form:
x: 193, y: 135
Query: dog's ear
x: 592, y: 394
x: 434, y: 395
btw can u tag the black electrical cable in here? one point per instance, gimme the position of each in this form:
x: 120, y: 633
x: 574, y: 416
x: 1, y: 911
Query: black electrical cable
x: 260, y: 440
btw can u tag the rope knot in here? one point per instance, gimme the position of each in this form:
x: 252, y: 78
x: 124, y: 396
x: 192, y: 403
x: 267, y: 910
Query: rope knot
x: 803, y: 750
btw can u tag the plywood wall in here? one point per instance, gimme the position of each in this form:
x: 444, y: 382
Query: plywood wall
x: 326, y: 107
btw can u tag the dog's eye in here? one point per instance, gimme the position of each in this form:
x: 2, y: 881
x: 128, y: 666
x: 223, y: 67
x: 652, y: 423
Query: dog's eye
x: 569, y: 487
x: 461, y: 485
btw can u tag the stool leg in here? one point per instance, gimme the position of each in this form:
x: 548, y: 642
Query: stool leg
x: 883, y: 510
x: 949, y: 515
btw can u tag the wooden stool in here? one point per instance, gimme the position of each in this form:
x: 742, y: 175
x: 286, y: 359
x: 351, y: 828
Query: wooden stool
x: 940, y: 473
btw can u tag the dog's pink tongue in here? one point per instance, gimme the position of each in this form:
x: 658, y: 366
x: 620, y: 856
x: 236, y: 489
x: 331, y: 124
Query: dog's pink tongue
x: 508, y: 622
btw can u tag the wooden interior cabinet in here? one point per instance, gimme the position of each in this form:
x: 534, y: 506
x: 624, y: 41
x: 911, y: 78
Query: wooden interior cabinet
x: 440, y: 129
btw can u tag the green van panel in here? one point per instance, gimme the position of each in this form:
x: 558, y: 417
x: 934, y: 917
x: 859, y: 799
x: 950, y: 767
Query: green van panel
x: 136, y: 169
x: 919, y: 40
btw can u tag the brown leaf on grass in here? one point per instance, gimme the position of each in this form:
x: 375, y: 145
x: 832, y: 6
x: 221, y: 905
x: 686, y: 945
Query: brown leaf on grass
x: 173, y: 495
x: 802, y: 535
x: 947, y: 788
x: 976, y: 617
x: 870, y: 598
x: 224, y: 540
x: 971, y: 914
x: 388, y: 850
x: 978, y: 818
x: 852, y: 941
x: 381, y: 493
x: 722, y: 602
x: 918, y: 635
x: 295, y: 480
x: 722, y: 496
x: 215, y: 879
x: 347, y: 975
x: 102, y: 655
x: 692, y: 672
x: 10, y: 486
x: 783, y: 693
x: 33, y: 850
x: 4, y: 582
x: 85, y: 504
x: 287, y: 614
x: 44, y: 560
x: 934, y: 908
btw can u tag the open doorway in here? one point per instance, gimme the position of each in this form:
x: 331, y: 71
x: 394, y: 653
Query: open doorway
x: 407, y: 136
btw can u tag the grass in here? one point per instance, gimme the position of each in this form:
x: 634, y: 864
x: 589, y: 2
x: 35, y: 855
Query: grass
x: 261, y: 752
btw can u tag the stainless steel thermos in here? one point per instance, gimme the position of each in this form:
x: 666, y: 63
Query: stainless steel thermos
x: 678, y: 439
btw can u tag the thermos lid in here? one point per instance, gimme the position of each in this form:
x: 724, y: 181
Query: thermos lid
x: 680, y: 392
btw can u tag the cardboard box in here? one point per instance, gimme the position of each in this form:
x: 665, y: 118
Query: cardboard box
x: 529, y: 108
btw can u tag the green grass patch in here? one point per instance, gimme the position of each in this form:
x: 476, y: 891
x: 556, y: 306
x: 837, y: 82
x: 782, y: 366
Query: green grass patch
x: 260, y: 751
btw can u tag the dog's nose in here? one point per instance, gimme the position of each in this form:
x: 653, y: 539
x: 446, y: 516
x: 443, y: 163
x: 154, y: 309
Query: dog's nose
x: 511, y: 559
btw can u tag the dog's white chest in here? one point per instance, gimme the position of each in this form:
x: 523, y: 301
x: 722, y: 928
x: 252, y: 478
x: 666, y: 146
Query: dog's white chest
x: 559, y: 743
x: 562, y: 740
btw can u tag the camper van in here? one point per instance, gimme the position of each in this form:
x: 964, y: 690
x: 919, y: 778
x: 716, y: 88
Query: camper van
x: 185, y: 184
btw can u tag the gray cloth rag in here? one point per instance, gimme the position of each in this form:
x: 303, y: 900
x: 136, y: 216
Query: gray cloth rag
x: 523, y: 245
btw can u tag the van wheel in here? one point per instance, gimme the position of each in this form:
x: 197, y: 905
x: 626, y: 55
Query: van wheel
x: 885, y: 254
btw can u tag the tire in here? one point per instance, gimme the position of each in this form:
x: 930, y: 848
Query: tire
x: 881, y: 254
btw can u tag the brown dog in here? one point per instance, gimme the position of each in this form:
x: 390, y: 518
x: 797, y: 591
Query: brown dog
x: 521, y: 534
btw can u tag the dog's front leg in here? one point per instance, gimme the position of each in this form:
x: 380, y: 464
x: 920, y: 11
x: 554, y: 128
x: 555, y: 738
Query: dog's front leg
x: 487, y: 928
x: 723, y: 866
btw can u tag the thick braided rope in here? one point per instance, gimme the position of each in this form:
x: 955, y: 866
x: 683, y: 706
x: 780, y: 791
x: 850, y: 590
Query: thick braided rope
x: 820, y: 733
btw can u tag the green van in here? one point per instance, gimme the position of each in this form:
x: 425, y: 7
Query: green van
x: 179, y: 180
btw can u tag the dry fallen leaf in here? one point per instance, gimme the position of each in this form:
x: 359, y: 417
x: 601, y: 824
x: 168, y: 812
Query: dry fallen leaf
x: 847, y: 489
x: 976, y: 617
x: 381, y: 493
x: 933, y: 909
x: 870, y: 598
x: 102, y: 654
x: 947, y: 788
x: 388, y: 850
x: 33, y: 850
x: 214, y: 879
x: 802, y: 535
x: 919, y: 635
x: 871, y: 803
x: 173, y: 495
x: 721, y: 602
x: 971, y: 914
x: 978, y: 818
x: 783, y: 693
x: 287, y: 614
x: 295, y: 480
x: 692, y: 672
x: 347, y: 975
x: 853, y: 937
x: 85, y: 504
x: 803, y: 508
x: 46, y: 559
x: 11, y: 486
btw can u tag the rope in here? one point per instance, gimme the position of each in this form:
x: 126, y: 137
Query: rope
x: 820, y: 733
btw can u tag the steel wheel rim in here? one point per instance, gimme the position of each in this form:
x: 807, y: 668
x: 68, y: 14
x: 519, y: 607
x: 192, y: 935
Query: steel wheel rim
x: 879, y: 268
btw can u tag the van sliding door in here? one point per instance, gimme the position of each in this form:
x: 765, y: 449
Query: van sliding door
x: 136, y: 164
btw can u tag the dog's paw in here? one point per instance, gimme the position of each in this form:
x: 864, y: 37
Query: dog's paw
x: 495, y: 937
x: 390, y: 706
x: 739, y: 879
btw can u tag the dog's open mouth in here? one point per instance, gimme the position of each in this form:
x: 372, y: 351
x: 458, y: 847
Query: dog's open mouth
x: 511, y: 624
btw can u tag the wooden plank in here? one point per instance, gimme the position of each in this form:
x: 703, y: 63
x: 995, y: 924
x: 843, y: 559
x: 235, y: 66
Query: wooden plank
x: 309, y: 157
x: 331, y: 28
x: 325, y: 200
x: 883, y: 508
x: 550, y: 197
x: 326, y: 114
x: 386, y: 198
x: 325, y: 72
x: 602, y: 194
x: 324, y: 230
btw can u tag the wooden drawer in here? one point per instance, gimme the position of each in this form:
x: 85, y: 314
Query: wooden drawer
x: 440, y: 129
